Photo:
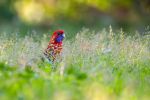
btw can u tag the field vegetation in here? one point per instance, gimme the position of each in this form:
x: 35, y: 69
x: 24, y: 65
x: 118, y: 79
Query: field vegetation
x: 103, y: 65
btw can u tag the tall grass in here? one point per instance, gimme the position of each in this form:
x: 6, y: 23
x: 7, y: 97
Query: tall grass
x: 96, y: 66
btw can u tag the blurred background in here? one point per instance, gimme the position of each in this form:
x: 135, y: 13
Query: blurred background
x: 72, y: 15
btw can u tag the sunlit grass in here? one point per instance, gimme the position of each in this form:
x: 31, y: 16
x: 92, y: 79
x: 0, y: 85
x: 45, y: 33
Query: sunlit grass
x: 95, y: 66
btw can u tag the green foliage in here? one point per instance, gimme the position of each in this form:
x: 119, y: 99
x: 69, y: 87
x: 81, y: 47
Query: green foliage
x: 94, y: 66
x: 46, y: 12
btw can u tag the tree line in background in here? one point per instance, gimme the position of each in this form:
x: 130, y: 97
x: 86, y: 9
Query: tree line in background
x: 87, y: 11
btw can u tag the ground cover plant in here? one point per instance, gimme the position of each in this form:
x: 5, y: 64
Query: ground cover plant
x: 103, y: 65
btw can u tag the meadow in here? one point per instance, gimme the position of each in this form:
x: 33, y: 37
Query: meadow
x: 104, y: 65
